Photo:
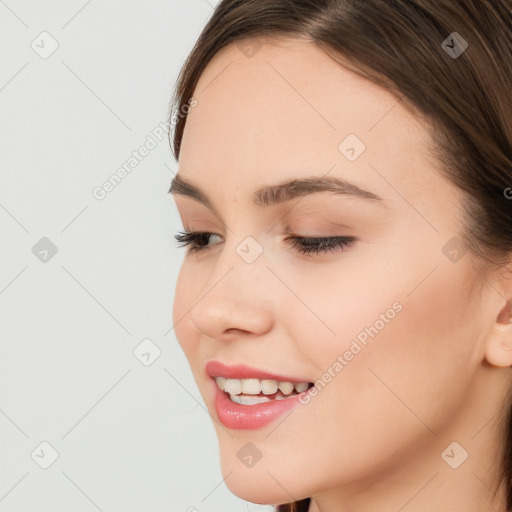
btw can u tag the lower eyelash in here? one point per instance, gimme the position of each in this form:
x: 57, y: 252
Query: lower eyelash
x: 305, y: 245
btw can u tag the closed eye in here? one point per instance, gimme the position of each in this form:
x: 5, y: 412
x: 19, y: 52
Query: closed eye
x: 197, y: 241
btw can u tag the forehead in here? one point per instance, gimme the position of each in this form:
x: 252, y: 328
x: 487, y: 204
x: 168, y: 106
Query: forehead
x: 285, y: 111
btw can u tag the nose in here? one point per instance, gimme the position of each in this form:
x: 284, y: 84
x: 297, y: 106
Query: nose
x: 236, y: 300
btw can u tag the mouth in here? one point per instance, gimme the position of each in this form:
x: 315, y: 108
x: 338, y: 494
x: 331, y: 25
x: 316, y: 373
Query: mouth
x: 250, y: 386
x: 258, y: 391
x: 249, y: 398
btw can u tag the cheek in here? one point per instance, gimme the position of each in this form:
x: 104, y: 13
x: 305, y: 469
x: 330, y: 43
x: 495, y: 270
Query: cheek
x: 391, y: 313
x: 406, y: 380
x: 184, y: 299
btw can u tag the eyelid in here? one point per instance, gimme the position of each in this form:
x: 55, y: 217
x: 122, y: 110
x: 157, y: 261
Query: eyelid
x: 306, y: 245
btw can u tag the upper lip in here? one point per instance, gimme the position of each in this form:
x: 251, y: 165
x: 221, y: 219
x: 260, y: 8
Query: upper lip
x: 240, y: 371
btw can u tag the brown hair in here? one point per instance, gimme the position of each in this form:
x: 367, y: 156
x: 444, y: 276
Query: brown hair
x: 459, y: 84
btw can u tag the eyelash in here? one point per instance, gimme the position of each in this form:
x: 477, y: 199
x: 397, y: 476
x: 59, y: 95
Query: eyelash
x: 305, y: 245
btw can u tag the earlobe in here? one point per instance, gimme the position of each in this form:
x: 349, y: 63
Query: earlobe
x: 499, y: 343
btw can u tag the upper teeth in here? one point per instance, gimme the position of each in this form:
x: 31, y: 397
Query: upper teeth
x: 256, y: 386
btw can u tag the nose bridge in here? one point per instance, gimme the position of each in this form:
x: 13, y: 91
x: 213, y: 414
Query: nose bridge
x: 236, y: 295
x: 243, y: 254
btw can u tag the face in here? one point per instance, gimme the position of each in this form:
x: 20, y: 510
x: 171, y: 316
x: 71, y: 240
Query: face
x: 384, y: 324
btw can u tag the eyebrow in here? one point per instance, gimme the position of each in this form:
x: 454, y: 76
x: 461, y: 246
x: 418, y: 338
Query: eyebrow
x: 270, y: 195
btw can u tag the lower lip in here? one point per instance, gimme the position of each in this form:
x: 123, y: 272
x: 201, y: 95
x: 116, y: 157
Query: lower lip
x: 238, y: 416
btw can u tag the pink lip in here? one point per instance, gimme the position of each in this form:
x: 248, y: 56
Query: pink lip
x: 240, y: 371
x: 237, y: 416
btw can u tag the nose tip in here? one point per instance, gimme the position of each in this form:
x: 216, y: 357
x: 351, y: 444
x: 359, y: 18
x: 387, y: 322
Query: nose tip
x: 217, y: 321
x: 231, y: 316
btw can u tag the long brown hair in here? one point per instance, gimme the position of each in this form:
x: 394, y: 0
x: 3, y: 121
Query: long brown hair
x: 460, y: 84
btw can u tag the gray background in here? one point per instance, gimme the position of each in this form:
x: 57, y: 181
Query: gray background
x: 131, y: 432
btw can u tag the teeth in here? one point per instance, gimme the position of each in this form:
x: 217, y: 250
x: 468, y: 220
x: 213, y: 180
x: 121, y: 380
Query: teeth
x: 220, y: 382
x: 249, y: 400
x: 257, y: 386
x: 301, y: 386
x: 286, y: 387
x: 268, y: 387
x: 251, y: 386
x: 233, y: 386
x: 253, y: 400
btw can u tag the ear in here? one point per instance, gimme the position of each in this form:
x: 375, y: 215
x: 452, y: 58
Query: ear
x: 499, y: 342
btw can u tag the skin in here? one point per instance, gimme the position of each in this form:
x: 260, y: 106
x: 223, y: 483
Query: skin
x: 372, y: 439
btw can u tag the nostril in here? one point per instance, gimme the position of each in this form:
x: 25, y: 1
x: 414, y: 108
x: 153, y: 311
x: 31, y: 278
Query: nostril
x: 234, y: 330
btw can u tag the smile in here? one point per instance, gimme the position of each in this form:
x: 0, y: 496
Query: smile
x: 256, y: 391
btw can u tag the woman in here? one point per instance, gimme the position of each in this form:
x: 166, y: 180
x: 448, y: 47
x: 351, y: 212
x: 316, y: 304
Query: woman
x: 345, y: 301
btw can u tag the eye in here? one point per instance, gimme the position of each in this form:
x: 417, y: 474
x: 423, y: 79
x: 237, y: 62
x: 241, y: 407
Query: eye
x: 198, y: 240
x: 309, y: 245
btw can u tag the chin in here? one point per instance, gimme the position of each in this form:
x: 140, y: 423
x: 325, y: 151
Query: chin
x: 263, y: 483
x: 263, y: 491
